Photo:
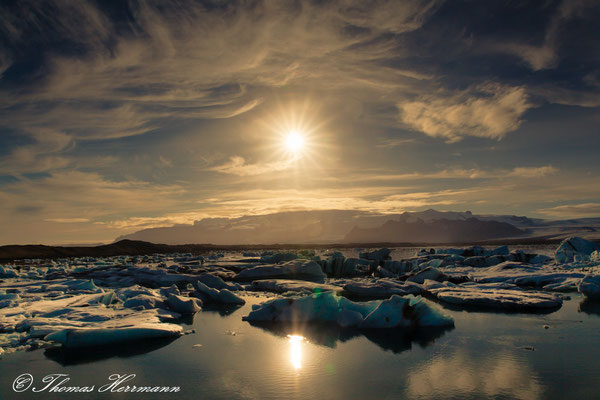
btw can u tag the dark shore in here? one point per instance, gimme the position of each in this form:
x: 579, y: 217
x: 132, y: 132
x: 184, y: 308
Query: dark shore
x: 136, y: 248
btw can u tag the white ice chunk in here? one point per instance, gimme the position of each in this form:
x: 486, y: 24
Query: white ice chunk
x: 486, y: 296
x: 590, y: 287
x: 288, y: 285
x: 183, y: 305
x: 431, y: 273
x: 297, y: 269
x: 328, y: 307
x: 223, y: 296
x: 87, y: 337
x: 381, y: 288
x: 575, y: 249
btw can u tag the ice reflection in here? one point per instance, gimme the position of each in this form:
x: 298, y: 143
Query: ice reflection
x: 460, y: 374
x: 296, y: 350
x: 395, y: 340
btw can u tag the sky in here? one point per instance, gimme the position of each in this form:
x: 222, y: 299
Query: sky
x: 119, y: 116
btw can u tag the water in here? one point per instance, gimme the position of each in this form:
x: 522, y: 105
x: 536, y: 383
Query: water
x: 486, y: 355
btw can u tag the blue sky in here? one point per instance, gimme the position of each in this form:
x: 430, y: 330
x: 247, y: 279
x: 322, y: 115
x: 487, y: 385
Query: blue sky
x: 118, y: 116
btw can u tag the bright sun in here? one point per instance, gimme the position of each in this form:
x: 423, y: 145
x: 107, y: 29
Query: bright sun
x: 294, y: 142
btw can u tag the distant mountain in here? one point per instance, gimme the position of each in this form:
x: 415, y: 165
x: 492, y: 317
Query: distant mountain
x: 343, y: 226
x: 415, y: 230
x: 285, y: 227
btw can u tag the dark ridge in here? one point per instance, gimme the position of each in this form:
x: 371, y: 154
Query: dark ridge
x: 138, y: 248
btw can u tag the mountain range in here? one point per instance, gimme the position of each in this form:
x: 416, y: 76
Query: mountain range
x: 346, y: 226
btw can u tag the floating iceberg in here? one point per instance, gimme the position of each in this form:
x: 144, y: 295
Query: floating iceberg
x: 210, y: 295
x: 409, y: 312
x: 184, y: 305
x: 288, y: 285
x: 87, y: 337
x: 491, y: 296
x: 589, y: 286
x: 575, y: 249
x: 381, y: 288
x: 296, y: 269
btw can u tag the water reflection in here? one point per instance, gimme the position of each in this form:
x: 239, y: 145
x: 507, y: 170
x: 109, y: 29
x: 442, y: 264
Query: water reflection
x: 296, y: 350
x: 394, y: 340
x: 78, y: 356
x: 222, y: 309
x: 462, y: 375
x: 589, y: 307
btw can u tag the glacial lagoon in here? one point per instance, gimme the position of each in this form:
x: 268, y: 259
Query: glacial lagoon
x: 488, y: 353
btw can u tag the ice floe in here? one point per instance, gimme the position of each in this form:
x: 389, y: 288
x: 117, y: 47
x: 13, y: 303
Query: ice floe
x: 409, y: 312
x: 490, y: 296
x: 575, y: 249
x: 296, y: 269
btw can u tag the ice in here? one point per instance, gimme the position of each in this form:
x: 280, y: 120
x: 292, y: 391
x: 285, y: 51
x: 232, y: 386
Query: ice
x: 125, y: 331
x: 210, y: 295
x: 492, y: 297
x: 296, y: 269
x: 377, y: 255
x: 7, y: 272
x: 406, y: 311
x: 286, y: 285
x: 589, y: 286
x: 395, y: 312
x: 183, y: 305
x: 431, y: 273
x: 575, y: 249
x: 216, y: 282
x: 349, y: 318
x: 277, y: 258
x: 144, y: 301
x: 382, y: 288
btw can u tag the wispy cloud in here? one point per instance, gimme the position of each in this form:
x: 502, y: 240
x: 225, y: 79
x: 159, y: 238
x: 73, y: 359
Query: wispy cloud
x: 68, y: 220
x: 238, y: 166
x: 573, y: 210
x: 489, y: 111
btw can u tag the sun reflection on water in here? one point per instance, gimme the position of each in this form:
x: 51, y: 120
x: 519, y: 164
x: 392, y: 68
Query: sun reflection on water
x: 296, y: 350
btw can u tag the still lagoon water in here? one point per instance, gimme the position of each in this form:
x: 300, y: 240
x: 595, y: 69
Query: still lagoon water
x: 486, y: 355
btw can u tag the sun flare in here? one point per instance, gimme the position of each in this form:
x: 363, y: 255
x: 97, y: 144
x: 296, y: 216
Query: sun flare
x: 294, y: 142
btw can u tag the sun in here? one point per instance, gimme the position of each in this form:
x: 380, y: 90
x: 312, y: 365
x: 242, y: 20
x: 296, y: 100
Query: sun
x: 294, y: 142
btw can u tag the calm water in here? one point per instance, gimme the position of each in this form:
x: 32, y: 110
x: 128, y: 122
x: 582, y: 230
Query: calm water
x: 485, y: 355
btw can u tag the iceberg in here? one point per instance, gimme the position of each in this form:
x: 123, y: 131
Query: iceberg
x: 409, y: 311
x: 296, y: 269
x: 288, y: 285
x: 490, y: 296
x: 381, y: 288
x: 589, y: 286
x: 184, y: 305
x: 88, y: 337
x: 210, y: 295
x: 575, y: 249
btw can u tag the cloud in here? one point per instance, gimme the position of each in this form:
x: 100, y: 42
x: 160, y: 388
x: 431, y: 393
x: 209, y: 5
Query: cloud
x: 545, y: 55
x: 533, y: 172
x: 488, y: 111
x: 573, y: 210
x: 68, y: 220
x: 459, y: 173
x: 238, y: 166
x: 452, y: 375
